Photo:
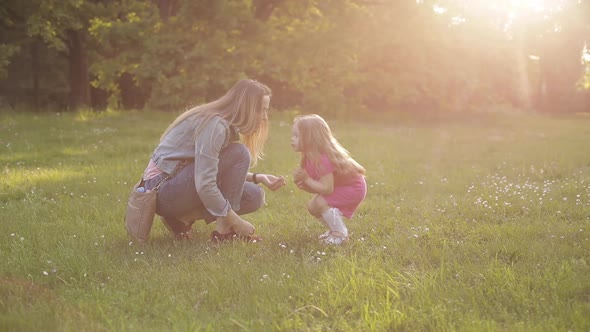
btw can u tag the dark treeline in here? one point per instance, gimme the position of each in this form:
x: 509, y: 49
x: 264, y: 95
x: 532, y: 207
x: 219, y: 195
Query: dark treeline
x: 319, y: 55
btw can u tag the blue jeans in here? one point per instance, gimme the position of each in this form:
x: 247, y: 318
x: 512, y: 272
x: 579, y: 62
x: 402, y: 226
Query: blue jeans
x: 178, y: 196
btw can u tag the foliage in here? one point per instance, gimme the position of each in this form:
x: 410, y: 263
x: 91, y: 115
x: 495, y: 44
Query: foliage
x: 334, y: 56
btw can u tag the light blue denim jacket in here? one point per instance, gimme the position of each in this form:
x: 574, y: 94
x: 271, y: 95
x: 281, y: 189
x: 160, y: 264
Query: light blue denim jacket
x: 180, y: 145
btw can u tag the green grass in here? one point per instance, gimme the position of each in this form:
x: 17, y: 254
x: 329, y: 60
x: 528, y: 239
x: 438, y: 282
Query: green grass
x: 478, y: 224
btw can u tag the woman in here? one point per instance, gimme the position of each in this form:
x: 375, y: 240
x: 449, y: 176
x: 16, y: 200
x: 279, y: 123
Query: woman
x: 205, y: 166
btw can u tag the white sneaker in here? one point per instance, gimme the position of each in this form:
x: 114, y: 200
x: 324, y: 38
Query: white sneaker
x: 335, y: 238
x: 324, y: 235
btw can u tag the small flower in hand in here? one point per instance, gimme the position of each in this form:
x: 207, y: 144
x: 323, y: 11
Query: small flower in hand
x: 272, y: 182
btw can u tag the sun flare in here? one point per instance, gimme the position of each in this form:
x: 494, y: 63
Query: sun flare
x: 505, y: 13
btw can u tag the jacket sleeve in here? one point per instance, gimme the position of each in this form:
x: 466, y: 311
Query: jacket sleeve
x: 208, y: 144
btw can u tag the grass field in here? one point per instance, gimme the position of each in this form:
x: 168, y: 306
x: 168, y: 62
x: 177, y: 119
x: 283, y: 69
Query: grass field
x: 479, y: 224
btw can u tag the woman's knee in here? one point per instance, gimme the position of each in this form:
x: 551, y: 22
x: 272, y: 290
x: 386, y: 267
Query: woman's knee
x: 260, y: 198
x: 252, y: 199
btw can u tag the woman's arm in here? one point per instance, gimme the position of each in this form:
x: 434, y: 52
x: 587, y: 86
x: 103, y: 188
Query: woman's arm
x: 208, y: 144
x: 272, y: 182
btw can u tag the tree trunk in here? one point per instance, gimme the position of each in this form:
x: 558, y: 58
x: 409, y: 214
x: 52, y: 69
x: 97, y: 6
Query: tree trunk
x: 167, y: 8
x: 35, y: 73
x: 264, y: 8
x: 78, y: 63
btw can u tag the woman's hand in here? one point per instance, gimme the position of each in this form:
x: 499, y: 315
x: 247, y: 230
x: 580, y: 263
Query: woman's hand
x: 272, y: 182
x: 233, y: 222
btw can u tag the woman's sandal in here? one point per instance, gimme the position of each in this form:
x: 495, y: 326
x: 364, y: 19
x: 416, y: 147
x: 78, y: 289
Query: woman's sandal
x: 179, y: 230
x: 231, y: 236
x: 188, y: 235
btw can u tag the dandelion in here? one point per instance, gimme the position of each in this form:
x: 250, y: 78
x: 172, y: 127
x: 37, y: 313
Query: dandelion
x: 45, y: 273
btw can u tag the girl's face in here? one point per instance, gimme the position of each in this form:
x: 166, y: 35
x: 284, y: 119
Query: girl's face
x: 295, y: 138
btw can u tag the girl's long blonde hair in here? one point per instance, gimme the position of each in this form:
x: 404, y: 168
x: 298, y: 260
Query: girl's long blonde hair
x: 241, y: 106
x: 315, y: 139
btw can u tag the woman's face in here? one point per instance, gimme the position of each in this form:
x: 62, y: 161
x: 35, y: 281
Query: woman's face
x: 258, y: 116
x: 265, y: 106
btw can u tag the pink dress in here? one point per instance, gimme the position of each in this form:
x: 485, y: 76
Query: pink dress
x: 348, y: 192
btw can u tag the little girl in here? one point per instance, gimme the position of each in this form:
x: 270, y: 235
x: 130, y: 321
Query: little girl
x: 328, y: 171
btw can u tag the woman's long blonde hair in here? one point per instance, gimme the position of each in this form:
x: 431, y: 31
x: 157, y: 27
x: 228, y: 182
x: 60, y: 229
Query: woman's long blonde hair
x: 241, y: 106
x: 315, y: 139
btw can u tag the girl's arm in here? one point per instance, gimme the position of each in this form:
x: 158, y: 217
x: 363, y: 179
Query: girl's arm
x: 323, y: 186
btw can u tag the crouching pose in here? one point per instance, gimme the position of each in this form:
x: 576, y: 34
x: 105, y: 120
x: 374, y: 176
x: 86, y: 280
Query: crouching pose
x: 327, y: 170
x: 201, y: 164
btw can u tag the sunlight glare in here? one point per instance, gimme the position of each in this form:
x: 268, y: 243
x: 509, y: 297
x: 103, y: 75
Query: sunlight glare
x: 508, y: 14
x: 456, y: 20
x: 586, y: 55
x: 438, y: 9
x: 515, y: 8
x: 535, y: 5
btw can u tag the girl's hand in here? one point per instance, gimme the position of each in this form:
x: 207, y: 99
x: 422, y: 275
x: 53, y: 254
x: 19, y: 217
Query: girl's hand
x: 272, y: 182
x: 300, y: 185
x: 300, y: 175
x: 303, y: 186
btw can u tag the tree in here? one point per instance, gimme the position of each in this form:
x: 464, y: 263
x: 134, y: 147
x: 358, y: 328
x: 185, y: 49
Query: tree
x: 318, y: 55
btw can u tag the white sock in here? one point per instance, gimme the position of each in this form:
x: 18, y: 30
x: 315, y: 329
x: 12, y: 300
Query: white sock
x: 333, y: 218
